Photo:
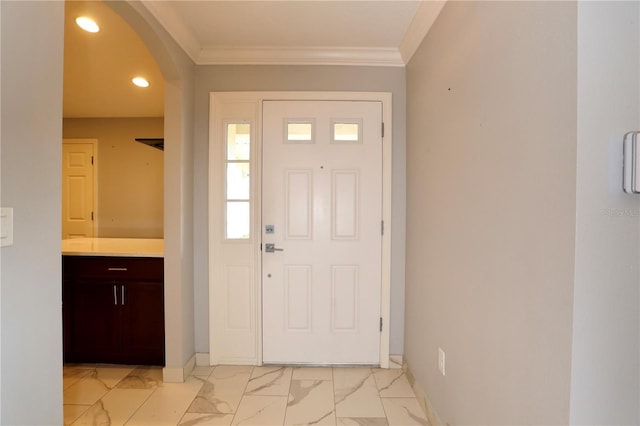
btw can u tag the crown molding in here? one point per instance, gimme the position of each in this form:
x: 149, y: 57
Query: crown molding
x: 258, y: 55
x: 163, y: 12
x: 424, y: 18
x: 296, y: 55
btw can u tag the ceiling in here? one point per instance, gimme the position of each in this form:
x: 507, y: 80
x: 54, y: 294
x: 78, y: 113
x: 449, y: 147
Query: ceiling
x: 98, y: 67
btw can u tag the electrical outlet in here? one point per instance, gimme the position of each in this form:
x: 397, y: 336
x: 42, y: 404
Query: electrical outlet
x: 441, y: 361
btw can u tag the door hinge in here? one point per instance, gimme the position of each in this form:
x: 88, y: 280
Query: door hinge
x: 382, y: 227
x: 382, y: 125
x: 380, y: 324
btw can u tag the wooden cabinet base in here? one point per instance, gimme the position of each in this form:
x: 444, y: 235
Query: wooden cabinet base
x: 113, y: 310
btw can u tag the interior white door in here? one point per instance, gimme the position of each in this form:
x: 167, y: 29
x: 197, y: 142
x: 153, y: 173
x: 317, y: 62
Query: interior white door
x: 78, y: 189
x: 322, y: 212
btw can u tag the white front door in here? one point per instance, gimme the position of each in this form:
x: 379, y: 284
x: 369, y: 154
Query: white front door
x: 78, y: 188
x: 322, y: 212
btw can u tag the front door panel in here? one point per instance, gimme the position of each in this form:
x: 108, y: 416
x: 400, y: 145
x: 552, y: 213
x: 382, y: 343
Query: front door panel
x: 321, y: 233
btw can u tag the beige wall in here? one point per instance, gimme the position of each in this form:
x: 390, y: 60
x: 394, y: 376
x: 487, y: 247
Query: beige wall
x: 130, y: 174
x: 491, y: 179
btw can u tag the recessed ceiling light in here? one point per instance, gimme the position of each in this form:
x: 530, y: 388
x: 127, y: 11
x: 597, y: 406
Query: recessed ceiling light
x: 140, y: 82
x: 87, y: 24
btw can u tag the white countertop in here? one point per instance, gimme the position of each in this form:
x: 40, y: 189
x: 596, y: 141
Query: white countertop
x: 121, y: 247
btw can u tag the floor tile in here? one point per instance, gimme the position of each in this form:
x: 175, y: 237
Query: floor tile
x: 115, y: 408
x: 142, y: 378
x: 72, y: 412
x: 312, y: 373
x: 392, y: 383
x: 269, y: 381
x: 362, y: 421
x: 94, y: 385
x: 261, y: 410
x: 222, y: 391
x: 240, y: 395
x: 356, y: 394
x: 167, y: 404
x: 310, y: 403
x: 72, y: 375
x: 200, y: 371
x: 85, y: 392
x: 404, y: 411
x: 205, y: 419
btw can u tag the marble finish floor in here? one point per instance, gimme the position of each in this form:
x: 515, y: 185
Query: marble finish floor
x: 240, y: 395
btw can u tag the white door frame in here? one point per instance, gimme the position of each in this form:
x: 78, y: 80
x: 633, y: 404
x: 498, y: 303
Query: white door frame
x: 247, y: 106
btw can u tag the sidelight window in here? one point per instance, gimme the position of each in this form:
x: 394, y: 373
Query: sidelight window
x: 238, y: 181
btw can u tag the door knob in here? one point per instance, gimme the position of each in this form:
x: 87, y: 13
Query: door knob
x: 271, y: 248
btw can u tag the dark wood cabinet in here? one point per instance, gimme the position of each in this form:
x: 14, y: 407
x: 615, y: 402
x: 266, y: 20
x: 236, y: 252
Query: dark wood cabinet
x: 113, y: 310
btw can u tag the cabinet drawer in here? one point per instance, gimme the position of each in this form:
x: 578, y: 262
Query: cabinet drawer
x: 113, y: 268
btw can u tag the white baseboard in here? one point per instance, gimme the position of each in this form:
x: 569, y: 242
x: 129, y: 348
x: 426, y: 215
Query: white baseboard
x: 203, y: 359
x: 178, y: 375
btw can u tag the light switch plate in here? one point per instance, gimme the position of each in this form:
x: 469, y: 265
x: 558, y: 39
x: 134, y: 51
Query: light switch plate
x: 6, y: 226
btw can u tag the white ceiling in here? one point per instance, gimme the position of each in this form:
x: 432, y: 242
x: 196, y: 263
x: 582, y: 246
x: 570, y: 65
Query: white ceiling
x: 98, y: 67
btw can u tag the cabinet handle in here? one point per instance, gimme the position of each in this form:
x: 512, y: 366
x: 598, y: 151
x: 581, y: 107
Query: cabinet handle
x: 115, y: 296
x: 116, y: 269
x: 122, y: 301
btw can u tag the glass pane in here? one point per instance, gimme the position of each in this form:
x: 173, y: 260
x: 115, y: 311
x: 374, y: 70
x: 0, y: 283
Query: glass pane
x: 238, y: 220
x: 346, y: 132
x: 238, y: 141
x: 300, y: 132
x: 238, y: 182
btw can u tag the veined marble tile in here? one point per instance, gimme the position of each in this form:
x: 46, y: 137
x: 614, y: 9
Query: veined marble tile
x: 273, y: 381
x: 94, y: 385
x: 205, y: 419
x: 167, y: 404
x: 72, y: 412
x: 310, y: 403
x: 260, y: 410
x: 72, y: 375
x: 356, y: 394
x: 312, y: 373
x: 404, y: 411
x: 222, y: 391
x: 363, y: 421
x: 115, y: 408
x: 202, y: 371
x: 392, y: 383
x: 395, y: 361
x: 142, y: 378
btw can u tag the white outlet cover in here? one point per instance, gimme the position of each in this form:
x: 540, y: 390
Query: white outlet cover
x: 6, y: 226
x: 441, y: 361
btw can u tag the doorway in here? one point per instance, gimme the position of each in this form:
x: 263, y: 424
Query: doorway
x: 322, y: 208
x: 79, y: 195
x: 243, y: 311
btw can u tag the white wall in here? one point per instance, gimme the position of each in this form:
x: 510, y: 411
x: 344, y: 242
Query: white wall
x: 31, y: 183
x: 606, y: 352
x: 298, y: 78
x: 178, y: 71
x: 491, y: 169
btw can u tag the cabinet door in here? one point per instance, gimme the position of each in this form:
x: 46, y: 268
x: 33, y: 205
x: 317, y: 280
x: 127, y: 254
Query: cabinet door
x: 94, y: 323
x: 143, y: 322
